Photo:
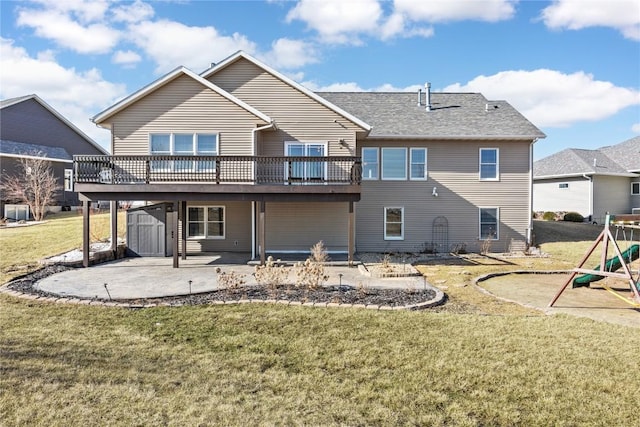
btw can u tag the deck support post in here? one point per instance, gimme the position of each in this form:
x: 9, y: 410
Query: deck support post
x: 113, y: 212
x: 183, y: 235
x: 174, y: 233
x: 86, y: 206
x: 261, y: 231
x: 351, y: 237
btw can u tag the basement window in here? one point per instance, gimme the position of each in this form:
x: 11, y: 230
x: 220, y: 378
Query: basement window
x: 635, y: 188
x: 206, y: 222
x: 563, y: 185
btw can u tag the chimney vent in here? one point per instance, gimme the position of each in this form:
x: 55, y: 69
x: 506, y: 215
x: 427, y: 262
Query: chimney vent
x: 427, y: 99
x: 419, y: 97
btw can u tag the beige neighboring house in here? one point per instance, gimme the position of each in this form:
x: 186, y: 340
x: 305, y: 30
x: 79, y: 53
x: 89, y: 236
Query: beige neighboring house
x: 590, y: 182
x: 242, y: 158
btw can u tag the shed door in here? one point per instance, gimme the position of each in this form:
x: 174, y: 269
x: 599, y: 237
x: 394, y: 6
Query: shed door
x: 146, y: 235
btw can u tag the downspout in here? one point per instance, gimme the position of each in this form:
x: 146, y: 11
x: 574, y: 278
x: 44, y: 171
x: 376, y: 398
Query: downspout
x: 530, y: 212
x: 590, y: 179
x: 253, y: 203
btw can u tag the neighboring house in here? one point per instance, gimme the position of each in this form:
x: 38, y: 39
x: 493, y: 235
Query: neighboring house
x: 590, y: 182
x: 30, y: 127
x: 249, y: 160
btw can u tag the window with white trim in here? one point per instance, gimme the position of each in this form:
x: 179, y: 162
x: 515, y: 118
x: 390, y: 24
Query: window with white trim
x: 183, y: 144
x: 563, y: 185
x: 206, y: 222
x: 418, y: 164
x: 394, y: 223
x: 489, y: 220
x: 369, y: 163
x: 68, y: 180
x: 635, y: 188
x: 394, y: 163
x: 489, y: 164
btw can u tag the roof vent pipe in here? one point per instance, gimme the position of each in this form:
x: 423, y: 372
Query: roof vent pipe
x: 427, y: 93
x: 595, y: 162
x: 419, y: 97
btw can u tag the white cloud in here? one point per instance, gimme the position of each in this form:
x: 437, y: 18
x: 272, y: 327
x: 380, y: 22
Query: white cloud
x: 132, y: 13
x: 126, y: 58
x: 355, y: 87
x: 58, y: 25
x: 635, y: 128
x: 289, y: 54
x: 456, y: 10
x: 551, y: 98
x: 338, y: 21
x: 171, y: 44
x: 84, y: 10
x: 623, y: 15
x: 77, y: 95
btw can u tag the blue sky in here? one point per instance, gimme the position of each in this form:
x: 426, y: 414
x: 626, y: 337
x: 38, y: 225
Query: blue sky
x: 572, y: 67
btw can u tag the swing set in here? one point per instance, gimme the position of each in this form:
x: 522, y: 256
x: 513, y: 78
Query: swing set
x: 625, y: 225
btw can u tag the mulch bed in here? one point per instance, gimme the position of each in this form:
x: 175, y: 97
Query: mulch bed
x: 326, y: 294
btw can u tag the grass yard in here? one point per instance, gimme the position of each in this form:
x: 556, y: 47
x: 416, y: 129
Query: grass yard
x: 475, y: 361
x: 271, y: 365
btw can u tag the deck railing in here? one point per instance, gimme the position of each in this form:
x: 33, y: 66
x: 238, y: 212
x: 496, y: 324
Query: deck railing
x: 271, y: 170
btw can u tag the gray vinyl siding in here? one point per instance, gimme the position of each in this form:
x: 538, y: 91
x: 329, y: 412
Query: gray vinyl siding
x: 548, y: 196
x: 635, y: 200
x: 298, y: 116
x: 183, y: 105
x: 31, y: 123
x: 611, y: 194
x: 453, y: 171
x: 298, y: 226
x: 237, y: 230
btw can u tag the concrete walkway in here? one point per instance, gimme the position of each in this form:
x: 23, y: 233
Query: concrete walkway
x: 133, y: 278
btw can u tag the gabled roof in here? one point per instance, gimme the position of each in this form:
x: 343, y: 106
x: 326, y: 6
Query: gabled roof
x: 13, y: 101
x: 578, y: 162
x: 25, y: 150
x: 327, y: 103
x: 452, y: 115
x: 180, y: 71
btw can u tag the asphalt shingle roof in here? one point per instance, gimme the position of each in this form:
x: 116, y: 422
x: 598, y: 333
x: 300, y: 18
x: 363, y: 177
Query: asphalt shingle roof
x: 24, y: 149
x: 620, y: 159
x: 452, y: 115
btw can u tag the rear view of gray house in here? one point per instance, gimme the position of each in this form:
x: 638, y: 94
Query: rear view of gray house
x: 30, y: 127
x: 245, y: 159
x: 590, y: 182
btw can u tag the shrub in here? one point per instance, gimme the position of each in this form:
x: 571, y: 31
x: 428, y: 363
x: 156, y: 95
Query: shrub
x: 549, y: 216
x: 573, y: 217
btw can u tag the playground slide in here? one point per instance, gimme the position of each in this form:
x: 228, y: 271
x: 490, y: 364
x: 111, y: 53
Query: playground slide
x: 612, y: 264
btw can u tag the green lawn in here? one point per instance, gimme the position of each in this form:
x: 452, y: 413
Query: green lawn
x: 256, y: 364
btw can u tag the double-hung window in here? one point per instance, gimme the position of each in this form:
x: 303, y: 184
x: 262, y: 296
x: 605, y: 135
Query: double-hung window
x: 489, y: 220
x: 489, y: 164
x: 306, y: 170
x: 394, y: 163
x: 635, y: 188
x: 183, y: 144
x: 369, y: 163
x: 393, y: 223
x: 418, y: 167
x: 206, y: 222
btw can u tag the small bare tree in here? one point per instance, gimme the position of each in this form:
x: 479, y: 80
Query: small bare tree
x: 33, y: 185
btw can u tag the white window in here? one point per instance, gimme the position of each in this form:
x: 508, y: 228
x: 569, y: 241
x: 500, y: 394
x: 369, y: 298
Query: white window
x: 489, y: 164
x: 635, y: 188
x: 394, y: 163
x: 369, y: 163
x: 68, y: 180
x: 418, y: 168
x: 306, y: 170
x: 205, y: 222
x: 183, y: 144
x: 394, y: 223
x: 489, y: 220
x: 563, y: 185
